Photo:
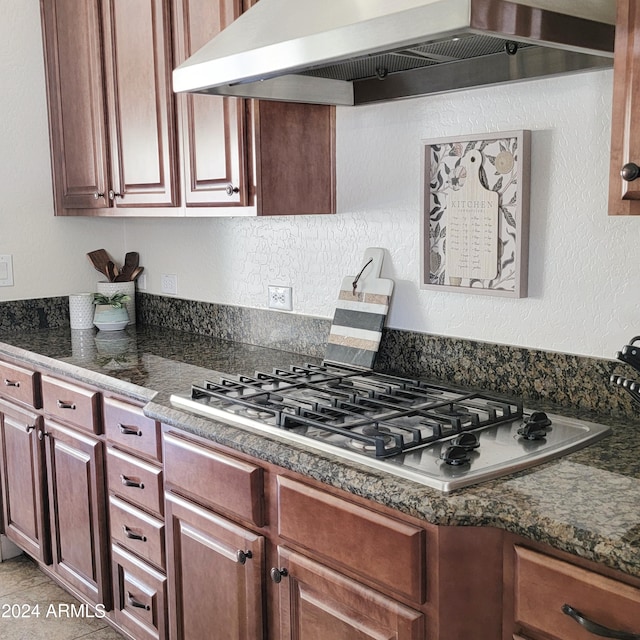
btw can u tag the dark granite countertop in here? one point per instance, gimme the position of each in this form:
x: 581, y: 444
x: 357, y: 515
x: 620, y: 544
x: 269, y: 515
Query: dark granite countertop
x: 587, y: 503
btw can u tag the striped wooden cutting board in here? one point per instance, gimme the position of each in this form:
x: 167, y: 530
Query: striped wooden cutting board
x: 360, y: 314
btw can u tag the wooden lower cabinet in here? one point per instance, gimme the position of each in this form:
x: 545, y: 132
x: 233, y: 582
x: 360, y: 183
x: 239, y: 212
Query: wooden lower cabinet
x: 554, y: 599
x: 23, y: 481
x: 215, y: 570
x: 78, y: 511
x: 317, y: 602
x: 140, y: 596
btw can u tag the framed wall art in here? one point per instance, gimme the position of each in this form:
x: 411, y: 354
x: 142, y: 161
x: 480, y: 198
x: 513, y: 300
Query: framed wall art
x: 475, y: 214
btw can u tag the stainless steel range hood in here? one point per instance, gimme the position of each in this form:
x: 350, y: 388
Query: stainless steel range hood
x: 352, y: 52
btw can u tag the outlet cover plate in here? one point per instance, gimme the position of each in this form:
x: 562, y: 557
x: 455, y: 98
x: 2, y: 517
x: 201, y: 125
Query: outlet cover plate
x: 6, y: 271
x: 169, y: 283
x: 280, y: 298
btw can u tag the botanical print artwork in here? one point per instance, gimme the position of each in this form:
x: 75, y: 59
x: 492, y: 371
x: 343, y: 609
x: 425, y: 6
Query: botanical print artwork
x: 498, y: 172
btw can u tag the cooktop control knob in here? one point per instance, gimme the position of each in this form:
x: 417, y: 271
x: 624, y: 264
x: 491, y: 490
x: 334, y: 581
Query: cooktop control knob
x: 535, y: 426
x: 466, y: 440
x: 455, y: 455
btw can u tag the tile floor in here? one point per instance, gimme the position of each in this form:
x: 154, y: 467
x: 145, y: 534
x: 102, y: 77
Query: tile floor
x: 22, y: 587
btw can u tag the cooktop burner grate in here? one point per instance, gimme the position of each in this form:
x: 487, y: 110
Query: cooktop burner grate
x: 378, y: 414
x: 436, y: 435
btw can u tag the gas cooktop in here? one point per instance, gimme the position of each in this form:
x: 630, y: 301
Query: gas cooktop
x: 436, y: 435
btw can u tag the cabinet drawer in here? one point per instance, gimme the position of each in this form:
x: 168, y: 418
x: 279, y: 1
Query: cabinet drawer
x: 389, y: 553
x: 127, y: 426
x: 543, y: 585
x: 140, y: 596
x: 135, y: 480
x: 137, y: 531
x: 214, y: 479
x: 20, y: 384
x: 72, y: 404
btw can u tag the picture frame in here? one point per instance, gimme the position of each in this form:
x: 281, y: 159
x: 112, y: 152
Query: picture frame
x: 475, y: 195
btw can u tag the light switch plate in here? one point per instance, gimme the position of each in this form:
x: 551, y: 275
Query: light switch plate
x: 6, y: 271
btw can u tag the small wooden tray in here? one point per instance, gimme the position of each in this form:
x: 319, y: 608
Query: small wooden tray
x: 360, y: 314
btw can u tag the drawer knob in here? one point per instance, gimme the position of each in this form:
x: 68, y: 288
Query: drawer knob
x: 132, y: 535
x: 243, y: 556
x: 277, y: 574
x: 11, y: 383
x: 136, y: 603
x: 630, y: 172
x: 597, y: 629
x: 62, y: 404
x: 129, y: 431
x: 128, y: 482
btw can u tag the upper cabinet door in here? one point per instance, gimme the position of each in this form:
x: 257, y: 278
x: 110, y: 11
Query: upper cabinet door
x: 211, y: 129
x: 624, y: 175
x: 77, y: 119
x: 138, y: 65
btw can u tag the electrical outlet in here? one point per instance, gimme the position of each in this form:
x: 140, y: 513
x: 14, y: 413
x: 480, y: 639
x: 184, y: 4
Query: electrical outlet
x: 169, y: 283
x: 280, y: 298
x: 141, y: 282
x: 6, y: 271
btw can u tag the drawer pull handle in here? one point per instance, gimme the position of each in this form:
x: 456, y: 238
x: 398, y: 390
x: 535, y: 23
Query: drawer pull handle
x: 11, y: 383
x: 132, y: 535
x: 243, y: 556
x: 62, y: 404
x: 127, y: 482
x: 129, y: 431
x: 597, y: 629
x: 136, y: 603
x: 277, y: 574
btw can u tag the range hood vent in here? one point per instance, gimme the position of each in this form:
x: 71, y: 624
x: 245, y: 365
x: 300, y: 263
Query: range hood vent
x: 352, y: 52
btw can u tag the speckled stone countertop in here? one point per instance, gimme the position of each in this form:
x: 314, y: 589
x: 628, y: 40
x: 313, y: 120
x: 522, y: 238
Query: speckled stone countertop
x: 587, y: 503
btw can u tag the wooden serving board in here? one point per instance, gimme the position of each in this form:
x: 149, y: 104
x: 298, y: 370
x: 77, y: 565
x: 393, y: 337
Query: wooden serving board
x: 360, y: 315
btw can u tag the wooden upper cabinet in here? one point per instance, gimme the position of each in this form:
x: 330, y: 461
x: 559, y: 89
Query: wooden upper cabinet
x: 624, y: 194
x: 120, y: 137
x: 138, y: 66
x: 211, y: 129
x: 111, y: 108
x: 77, y: 118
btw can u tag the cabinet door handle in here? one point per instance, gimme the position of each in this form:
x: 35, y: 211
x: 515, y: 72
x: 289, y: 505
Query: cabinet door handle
x: 243, y: 556
x: 11, y: 383
x: 42, y: 434
x: 129, y: 431
x: 136, y: 603
x: 62, y: 404
x: 630, y: 172
x: 127, y: 482
x: 597, y: 629
x: 97, y: 195
x: 114, y: 194
x: 231, y: 189
x: 132, y: 535
x: 30, y: 427
x: 277, y: 574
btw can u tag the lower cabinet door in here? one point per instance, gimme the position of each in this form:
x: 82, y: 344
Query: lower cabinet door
x: 317, y: 602
x: 139, y: 596
x: 78, y: 511
x: 215, y: 570
x: 22, y: 479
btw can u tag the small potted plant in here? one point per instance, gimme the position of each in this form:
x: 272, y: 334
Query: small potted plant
x: 111, y: 313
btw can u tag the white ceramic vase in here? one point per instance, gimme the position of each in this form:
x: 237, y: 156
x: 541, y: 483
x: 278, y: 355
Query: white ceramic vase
x: 128, y: 288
